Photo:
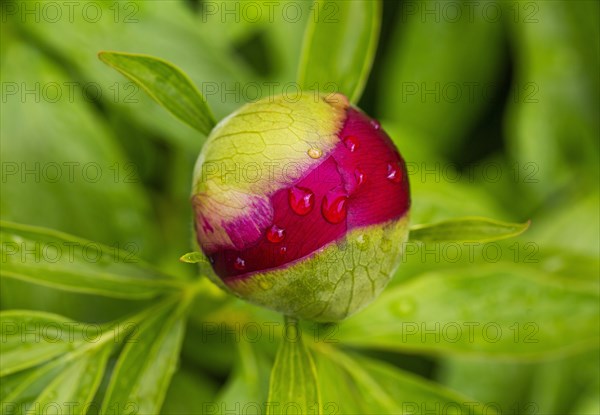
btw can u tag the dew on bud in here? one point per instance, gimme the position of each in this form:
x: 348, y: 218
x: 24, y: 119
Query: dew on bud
x: 275, y: 234
x: 351, y: 143
x: 334, y: 206
x: 265, y: 284
x: 359, y: 175
x: 394, y: 173
x: 314, y: 153
x: 288, y: 243
x: 301, y: 199
x: 362, y: 242
x: 386, y: 245
x: 239, y: 264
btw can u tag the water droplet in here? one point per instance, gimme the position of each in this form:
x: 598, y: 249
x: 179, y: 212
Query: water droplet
x: 359, y: 175
x: 394, y: 173
x: 386, y: 245
x: 275, y: 234
x: 362, y: 242
x: 283, y: 250
x: 265, y: 284
x: 314, y: 153
x: 375, y: 124
x: 403, y: 307
x: 239, y: 264
x: 351, y: 143
x: 333, y: 207
x: 301, y: 199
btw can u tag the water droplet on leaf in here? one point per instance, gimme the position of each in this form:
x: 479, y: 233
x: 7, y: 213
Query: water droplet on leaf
x: 403, y: 307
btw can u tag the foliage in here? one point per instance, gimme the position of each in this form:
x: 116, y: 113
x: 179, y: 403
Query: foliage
x: 109, y: 321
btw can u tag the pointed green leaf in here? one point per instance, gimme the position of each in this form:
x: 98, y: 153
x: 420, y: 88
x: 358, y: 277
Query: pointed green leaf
x: 193, y: 258
x: 77, y: 384
x: 249, y: 380
x: 191, y: 392
x: 63, y: 386
x: 471, y: 229
x: 22, y: 388
x: 57, y: 366
x: 63, y: 166
x: 54, y: 259
x: 166, y: 84
x: 339, y: 46
x: 147, y: 363
x: 502, y: 311
x: 293, y: 377
x: 33, y: 337
x: 358, y: 385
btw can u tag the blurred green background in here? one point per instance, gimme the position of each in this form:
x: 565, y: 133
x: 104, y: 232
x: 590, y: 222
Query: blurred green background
x: 494, y: 105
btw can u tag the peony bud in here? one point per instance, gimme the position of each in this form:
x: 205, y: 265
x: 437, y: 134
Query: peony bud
x: 302, y: 207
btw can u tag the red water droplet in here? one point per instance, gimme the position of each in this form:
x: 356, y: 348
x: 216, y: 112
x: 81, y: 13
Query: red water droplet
x: 282, y: 250
x: 239, y: 264
x: 301, y: 200
x: 333, y: 207
x: 359, y: 175
x: 275, y: 234
x: 394, y: 173
x: 351, y: 143
x: 375, y: 124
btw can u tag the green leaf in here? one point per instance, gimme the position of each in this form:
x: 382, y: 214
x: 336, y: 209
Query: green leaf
x: 190, y: 392
x: 63, y: 386
x: 166, y: 84
x: 358, y: 385
x: 293, y: 381
x: 507, y: 384
x: 193, y: 258
x: 77, y: 384
x: 501, y: 311
x: 553, y: 125
x: 248, y: 382
x: 339, y: 46
x: 148, y: 361
x: 45, y: 335
x: 54, y: 259
x: 467, y: 230
x: 74, y: 176
x: 440, y: 71
x: 52, y: 363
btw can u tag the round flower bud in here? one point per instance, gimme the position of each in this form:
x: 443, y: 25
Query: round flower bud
x: 302, y: 206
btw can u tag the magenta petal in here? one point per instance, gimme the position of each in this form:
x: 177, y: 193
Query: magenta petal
x: 351, y: 188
